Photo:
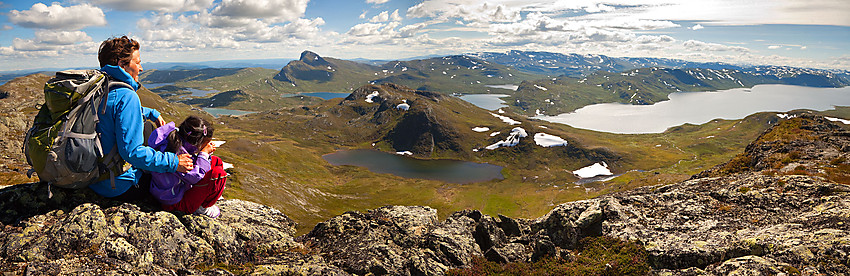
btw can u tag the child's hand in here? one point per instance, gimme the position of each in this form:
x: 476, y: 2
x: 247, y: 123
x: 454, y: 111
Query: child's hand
x: 209, y: 148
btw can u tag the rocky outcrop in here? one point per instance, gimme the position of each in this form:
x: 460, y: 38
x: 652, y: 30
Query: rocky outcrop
x: 753, y: 222
x: 422, y: 129
x: 804, y: 144
x: 104, y: 236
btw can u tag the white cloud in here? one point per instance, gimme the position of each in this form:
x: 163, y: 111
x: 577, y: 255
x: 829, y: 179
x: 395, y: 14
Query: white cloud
x: 277, y: 10
x: 365, y: 29
x: 61, y: 37
x: 385, y: 16
x: 635, y: 24
x: 410, y: 30
x: 394, y: 16
x: 56, y: 45
x: 600, y: 7
x: 654, y: 39
x: 700, y: 46
x: 58, y: 17
x: 362, y: 15
x: 381, y: 17
x: 303, y: 28
x: 156, y: 5
x: 28, y: 45
x: 774, y: 47
x: 205, y: 30
x: 734, y: 12
x: 697, y: 27
x: 715, y: 12
x: 377, y: 1
x: 7, y: 27
x: 466, y: 10
x: 374, y: 29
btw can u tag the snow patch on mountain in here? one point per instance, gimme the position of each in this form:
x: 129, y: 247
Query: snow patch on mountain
x: 846, y: 122
x: 506, y: 119
x: 596, y: 169
x: 512, y: 140
x: 548, y: 140
x: 371, y: 96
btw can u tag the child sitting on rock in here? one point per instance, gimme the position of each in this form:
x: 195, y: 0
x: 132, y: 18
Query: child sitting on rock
x: 197, y: 190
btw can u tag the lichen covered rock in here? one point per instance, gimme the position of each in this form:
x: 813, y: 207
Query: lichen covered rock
x: 98, y: 238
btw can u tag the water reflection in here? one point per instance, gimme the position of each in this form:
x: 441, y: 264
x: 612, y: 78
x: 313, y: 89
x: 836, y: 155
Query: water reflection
x: 452, y: 171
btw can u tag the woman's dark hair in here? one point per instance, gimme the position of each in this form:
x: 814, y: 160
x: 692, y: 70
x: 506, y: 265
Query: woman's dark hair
x: 194, y: 130
x: 117, y: 49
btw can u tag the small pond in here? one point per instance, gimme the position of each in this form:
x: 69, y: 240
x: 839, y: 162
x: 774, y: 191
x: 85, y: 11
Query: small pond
x: 221, y: 111
x: 452, y: 171
x: 201, y: 93
x: 486, y: 101
x: 152, y: 86
x: 327, y: 95
x: 195, y: 92
x: 324, y: 95
x: 512, y: 87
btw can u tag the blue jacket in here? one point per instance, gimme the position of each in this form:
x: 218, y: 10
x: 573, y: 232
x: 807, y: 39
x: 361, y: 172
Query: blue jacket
x: 122, y: 124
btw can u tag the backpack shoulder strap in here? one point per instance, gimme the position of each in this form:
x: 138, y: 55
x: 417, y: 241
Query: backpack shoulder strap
x: 116, y: 84
x: 111, y: 83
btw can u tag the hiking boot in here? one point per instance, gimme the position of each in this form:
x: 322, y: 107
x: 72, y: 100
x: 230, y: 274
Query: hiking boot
x: 212, y: 211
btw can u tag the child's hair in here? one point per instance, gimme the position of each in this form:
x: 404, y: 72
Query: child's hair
x: 194, y: 130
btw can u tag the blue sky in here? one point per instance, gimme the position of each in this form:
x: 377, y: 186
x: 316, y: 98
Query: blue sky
x: 814, y: 33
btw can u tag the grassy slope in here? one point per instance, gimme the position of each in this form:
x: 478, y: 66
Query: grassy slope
x: 19, y: 102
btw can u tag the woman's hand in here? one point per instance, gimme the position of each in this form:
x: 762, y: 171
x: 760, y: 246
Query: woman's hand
x: 185, y: 163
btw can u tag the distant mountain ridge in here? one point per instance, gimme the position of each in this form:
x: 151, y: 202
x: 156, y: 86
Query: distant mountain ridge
x: 450, y: 74
x: 578, y: 80
x: 651, y: 85
x: 580, y: 65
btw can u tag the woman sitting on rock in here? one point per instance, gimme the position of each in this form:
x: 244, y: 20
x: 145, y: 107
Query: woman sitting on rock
x: 197, y: 190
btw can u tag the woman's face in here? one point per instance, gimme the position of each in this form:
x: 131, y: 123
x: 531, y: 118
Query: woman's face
x: 134, y: 67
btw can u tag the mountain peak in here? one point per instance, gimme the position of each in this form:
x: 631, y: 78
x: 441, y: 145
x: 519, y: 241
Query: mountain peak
x: 313, y: 59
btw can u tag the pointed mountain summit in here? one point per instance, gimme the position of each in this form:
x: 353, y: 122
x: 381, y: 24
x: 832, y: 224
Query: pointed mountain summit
x: 313, y: 59
x: 309, y: 67
x: 312, y: 72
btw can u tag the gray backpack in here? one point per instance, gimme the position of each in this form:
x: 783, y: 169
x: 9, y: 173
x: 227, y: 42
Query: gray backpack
x: 63, y: 146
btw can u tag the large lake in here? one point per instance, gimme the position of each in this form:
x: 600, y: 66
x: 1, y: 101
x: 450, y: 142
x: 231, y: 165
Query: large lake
x: 701, y: 107
x: 452, y: 171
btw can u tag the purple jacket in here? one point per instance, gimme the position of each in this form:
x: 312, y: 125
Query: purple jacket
x: 169, y: 188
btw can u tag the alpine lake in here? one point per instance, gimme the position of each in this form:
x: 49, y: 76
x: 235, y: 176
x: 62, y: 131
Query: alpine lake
x: 452, y: 171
